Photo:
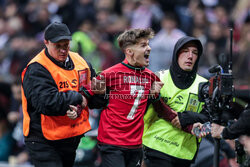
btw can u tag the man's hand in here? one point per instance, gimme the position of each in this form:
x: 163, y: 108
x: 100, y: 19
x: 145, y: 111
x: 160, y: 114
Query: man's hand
x: 199, y: 126
x: 13, y: 116
x: 233, y: 162
x: 156, y: 87
x: 72, y: 112
x: 84, y: 102
x: 176, y: 122
x: 245, y: 141
x: 98, y: 86
x: 216, y: 130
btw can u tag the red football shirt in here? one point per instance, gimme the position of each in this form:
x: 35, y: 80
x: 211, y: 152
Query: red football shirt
x: 121, y: 122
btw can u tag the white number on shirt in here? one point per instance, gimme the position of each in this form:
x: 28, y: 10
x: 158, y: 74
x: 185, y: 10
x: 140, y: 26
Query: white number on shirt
x: 133, y: 90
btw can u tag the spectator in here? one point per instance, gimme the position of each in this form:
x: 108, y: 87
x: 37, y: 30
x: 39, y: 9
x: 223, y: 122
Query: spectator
x: 15, y: 117
x: 147, y: 14
x: 163, y: 43
x: 6, y: 140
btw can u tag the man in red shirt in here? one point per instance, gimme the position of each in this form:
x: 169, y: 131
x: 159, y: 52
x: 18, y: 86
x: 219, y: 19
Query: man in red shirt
x: 130, y: 86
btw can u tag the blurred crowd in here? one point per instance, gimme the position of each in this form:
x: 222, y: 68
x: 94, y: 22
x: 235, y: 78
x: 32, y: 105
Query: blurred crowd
x: 95, y: 24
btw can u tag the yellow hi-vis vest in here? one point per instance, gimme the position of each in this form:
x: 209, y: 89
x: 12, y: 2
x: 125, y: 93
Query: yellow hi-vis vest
x: 162, y: 135
x: 60, y: 127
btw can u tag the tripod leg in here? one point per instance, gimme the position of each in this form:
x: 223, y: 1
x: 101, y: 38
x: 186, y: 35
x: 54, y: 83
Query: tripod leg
x: 216, y: 152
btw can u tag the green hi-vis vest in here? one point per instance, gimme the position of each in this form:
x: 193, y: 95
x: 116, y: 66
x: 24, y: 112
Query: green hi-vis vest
x: 161, y: 135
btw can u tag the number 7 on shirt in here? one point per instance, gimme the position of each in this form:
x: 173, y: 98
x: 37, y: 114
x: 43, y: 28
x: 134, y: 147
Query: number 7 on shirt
x: 133, y: 90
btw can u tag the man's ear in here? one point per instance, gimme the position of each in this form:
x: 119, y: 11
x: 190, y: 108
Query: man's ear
x: 129, y: 51
x: 46, y: 42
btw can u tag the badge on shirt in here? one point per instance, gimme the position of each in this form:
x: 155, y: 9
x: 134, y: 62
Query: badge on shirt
x: 83, y: 77
x: 193, y: 103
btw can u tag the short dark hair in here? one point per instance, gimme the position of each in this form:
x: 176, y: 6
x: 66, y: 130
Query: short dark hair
x: 132, y: 36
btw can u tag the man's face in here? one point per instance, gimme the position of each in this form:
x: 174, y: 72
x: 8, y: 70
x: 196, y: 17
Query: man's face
x: 140, y: 53
x: 188, y: 55
x: 59, y: 50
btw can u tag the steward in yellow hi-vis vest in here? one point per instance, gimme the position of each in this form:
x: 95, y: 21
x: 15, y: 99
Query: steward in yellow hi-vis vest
x: 162, y: 135
x: 56, y: 95
x: 165, y: 144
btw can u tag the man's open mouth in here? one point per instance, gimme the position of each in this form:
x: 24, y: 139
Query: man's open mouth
x: 146, y: 56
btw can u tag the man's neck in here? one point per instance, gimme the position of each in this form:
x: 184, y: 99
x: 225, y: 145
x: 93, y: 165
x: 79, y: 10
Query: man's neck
x: 132, y: 64
x: 126, y: 62
x: 61, y: 64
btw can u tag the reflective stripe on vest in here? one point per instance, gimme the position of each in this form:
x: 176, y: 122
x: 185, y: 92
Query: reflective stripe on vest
x: 160, y: 134
x: 61, y: 127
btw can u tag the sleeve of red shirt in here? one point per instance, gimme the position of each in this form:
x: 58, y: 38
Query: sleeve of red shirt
x: 106, y: 75
x: 86, y: 91
x: 155, y: 77
x: 165, y: 112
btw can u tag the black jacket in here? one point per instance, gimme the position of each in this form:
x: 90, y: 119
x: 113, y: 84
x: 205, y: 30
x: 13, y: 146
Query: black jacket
x: 241, y: 127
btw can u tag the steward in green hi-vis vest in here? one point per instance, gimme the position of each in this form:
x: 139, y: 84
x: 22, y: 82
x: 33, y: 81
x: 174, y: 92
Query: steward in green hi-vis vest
x: 160, y: 134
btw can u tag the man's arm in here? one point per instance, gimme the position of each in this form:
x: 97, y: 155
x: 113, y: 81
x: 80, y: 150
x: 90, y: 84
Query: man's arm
x: 188, y: 117
x: 164, y: 111
x: 183, y: 120
x: 237, y: 129
x: 95, y: 92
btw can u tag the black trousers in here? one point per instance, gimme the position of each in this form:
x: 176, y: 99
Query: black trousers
x: 52, y: 154
x: 114, y: 156
x: 154, y: 158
